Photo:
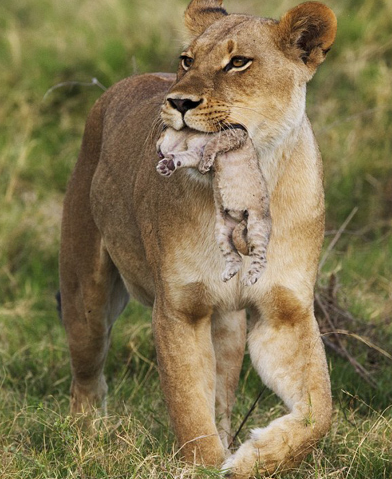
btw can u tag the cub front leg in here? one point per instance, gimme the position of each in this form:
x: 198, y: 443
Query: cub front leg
x: 183, y: 159
x: 207, y: 161
x: 222, y: 142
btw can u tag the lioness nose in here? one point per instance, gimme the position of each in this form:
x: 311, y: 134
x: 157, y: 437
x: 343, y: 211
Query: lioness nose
x: 183, y: 104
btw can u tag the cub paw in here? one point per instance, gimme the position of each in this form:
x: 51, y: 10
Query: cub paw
x: 205, y: 164
x: 230, y: 271
x: 167, y: 166
x: 252, y: 276
x: 204, y: 168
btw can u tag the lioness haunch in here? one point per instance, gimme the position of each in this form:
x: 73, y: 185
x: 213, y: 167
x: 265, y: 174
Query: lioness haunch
x: 240, y: 191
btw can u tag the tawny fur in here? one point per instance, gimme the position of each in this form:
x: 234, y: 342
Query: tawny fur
x: 127, y: 231
x: 240, y: 192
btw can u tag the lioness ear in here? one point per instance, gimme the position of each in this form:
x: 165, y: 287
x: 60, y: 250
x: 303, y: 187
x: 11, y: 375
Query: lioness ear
x: 307, y: 32
x: 200, y: 14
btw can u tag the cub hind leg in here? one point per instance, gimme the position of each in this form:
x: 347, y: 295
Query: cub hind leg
x: 224, y: 226
x: 258, y: 234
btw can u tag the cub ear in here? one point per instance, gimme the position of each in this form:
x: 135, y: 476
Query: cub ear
x: 307, y: 32
x: 200, y: 14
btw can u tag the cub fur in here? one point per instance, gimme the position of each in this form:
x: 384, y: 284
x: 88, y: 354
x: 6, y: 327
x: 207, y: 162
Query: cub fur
x: 240, y: 192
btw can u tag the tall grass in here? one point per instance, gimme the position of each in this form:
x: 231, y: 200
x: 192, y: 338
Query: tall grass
x: 48, y: 42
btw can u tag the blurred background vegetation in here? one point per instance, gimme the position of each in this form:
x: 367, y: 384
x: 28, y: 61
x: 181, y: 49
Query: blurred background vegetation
x: 50, y: 42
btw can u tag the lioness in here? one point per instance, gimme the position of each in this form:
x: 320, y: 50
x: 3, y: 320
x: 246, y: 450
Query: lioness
x: 239, y: 188
x: 128, y: 231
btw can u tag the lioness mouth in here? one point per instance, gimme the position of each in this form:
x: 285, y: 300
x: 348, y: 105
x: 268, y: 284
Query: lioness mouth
x: 233, y: 126
x: 226, y: 126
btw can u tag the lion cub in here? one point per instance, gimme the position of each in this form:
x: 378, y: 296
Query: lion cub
x: 240, y: 191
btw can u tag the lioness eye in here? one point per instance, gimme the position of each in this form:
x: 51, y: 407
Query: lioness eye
x: 238, y: 63
x: 186, y: 62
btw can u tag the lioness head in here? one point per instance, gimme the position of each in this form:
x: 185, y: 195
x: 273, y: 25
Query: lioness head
x: 248, y: 71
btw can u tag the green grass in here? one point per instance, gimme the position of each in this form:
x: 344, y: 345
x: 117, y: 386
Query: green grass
x: 47, y: 42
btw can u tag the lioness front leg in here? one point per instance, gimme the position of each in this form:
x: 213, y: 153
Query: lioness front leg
x: 174, y: 160
x: 187, y: 372
x: 287, y: 352
x: 229, y: 338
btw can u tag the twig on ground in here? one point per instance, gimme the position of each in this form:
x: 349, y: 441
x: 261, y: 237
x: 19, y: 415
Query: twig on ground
x: 337, y: 237
x: 247, y: 416
x: 340, y: 348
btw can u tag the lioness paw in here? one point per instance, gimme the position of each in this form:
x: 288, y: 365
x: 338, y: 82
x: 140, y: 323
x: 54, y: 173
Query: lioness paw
x: 246, y: 462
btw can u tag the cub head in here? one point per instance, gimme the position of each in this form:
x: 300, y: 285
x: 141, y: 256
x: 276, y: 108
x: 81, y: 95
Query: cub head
x: 248, y: 71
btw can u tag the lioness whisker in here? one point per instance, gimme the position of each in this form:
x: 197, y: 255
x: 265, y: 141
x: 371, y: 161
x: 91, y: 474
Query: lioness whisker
x: 237, y: 119
x: 253, y: 110
x: 155, y: 127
